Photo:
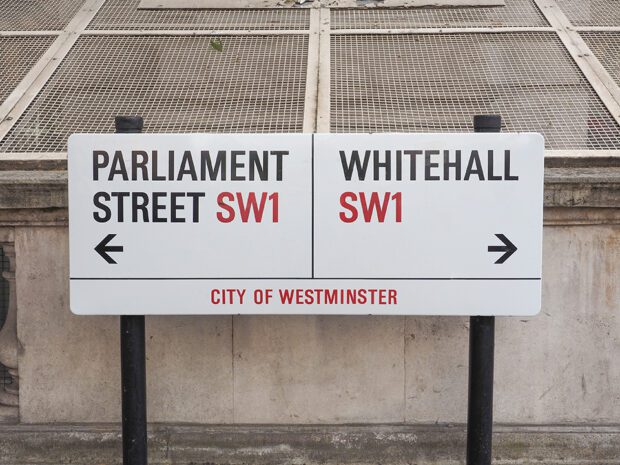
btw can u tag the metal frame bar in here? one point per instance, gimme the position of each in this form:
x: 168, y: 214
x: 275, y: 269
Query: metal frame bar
x: 196, y: 32
x: 323, y: 109
x: 600, y: 80
x: 312, y: 73
x: 29, y: 33
x: 261, y: 5
x: 30, y: 86
x: 443, y: 30
x: 32, y: 156
x: 597, y: 28
x: 582, y: 153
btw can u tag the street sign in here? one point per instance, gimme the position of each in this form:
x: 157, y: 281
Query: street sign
x: 443, y: 224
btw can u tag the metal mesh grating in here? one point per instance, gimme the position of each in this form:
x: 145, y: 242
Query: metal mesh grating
x: 124, y: 14
x: 591, y: 12
x: 179, y: 84
x: 438, y: 82
x: 515, y: 13
x: 606, y: 47
x: 37, y: 15
x: 17, y: 56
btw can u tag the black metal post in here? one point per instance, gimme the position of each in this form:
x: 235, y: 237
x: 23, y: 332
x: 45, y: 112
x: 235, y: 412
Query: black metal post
x: 481, y: 353
x: 133, y: 360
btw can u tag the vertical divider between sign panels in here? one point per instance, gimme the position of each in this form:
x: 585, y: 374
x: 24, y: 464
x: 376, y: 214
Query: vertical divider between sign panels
x: 600, y: 80
x: 30, y: 86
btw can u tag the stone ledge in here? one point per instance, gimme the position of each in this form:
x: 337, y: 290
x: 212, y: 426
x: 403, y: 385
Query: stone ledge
x: 593, y: 187
x: 573, y: 196
x: 308, y: 445
x: 553, y: 216
x: 553, y: 159
x: 33, y: 189
x: 582, y: 187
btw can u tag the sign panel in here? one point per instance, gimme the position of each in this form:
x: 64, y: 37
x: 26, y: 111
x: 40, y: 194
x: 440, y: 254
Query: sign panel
x: 443, y: 224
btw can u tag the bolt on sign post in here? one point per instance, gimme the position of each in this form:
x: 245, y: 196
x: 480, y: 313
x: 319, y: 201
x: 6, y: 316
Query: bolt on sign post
x: 386, y: 224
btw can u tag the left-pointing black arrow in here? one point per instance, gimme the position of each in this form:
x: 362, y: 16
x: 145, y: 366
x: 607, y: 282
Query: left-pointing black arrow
x: 508, y: 248
x: 103, y: 248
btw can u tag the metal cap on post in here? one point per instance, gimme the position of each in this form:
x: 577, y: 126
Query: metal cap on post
x: 133, y: 358
x: 128, y: 124
x: 481, y: 360
x: 487, y: 123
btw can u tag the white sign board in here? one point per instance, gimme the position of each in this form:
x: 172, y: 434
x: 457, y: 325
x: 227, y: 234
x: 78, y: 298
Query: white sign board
x: 441, y: 224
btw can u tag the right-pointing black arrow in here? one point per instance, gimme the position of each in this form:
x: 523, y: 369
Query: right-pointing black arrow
x: 509, y: 248
x: 103, y: 248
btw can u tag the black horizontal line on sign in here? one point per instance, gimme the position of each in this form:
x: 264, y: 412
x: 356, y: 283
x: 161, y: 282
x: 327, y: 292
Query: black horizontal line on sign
x: 308, y: 279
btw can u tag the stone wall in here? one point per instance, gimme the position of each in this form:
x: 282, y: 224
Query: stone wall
x: 556, y: 368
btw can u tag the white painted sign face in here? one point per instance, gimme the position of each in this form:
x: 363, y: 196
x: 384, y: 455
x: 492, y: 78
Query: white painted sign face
x: 432, y: 224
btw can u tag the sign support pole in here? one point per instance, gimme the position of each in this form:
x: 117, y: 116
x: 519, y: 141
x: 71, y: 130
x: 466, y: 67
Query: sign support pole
x: 481, y: 352
x: 133, y: 360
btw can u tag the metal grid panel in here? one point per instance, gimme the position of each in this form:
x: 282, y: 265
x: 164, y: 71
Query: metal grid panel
x: 179, y: 84
x: 606, y: 47
x: 591, y: 12
x: 37, y: 15
x: 17, y: 56
x: 434, y: 83
x: 124, y: 14
x: 515, y: 13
